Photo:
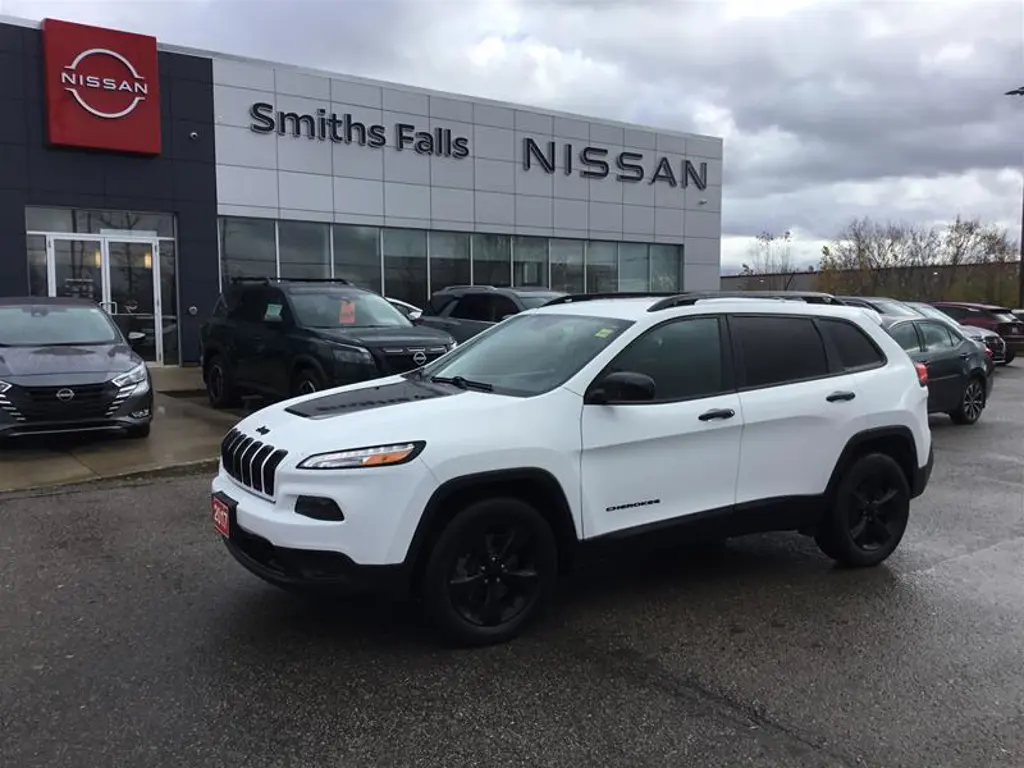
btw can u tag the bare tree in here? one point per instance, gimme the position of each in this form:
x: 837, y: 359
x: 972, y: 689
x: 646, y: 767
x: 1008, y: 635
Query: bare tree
x: 966, y: 259
x: 770, y: 262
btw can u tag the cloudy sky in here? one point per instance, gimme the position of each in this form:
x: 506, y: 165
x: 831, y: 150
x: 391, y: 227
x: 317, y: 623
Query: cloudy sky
x: 830, y: 109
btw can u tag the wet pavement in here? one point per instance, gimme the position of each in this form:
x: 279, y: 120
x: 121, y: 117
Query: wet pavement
x: 129, y: 638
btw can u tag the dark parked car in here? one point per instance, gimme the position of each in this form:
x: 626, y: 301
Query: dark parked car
x: 991, y: 317
x: 958, y: 379
x: 990, y: 339
x: 65, y: 367
x: 280, y: 338
x: 466, y: 310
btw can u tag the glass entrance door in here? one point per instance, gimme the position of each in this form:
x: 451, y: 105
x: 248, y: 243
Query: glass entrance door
x: 119, y: 273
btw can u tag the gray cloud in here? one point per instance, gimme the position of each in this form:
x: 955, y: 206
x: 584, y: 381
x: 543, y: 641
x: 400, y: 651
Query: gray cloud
x: 903, y: 99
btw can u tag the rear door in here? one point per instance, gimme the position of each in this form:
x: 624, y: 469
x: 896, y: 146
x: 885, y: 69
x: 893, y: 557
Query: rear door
x: 471, y: 314
x: 947, y: 365
x: 799, y: 407
x: 246, y: 319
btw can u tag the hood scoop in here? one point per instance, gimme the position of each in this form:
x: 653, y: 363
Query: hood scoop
x: 369, y: 398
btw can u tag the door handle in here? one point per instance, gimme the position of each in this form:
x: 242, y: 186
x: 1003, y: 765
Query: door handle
x: 837, y: 397
x: 964, y: 355
x: 717, y: 413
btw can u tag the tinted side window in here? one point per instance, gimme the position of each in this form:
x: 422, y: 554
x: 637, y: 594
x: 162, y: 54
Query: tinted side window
x: 251, y: 307
x: 936, y: 336
x: 501, y: 306
x: 683, y: 357
x: 853, y: 346
x: 905, y: 335
x: 778, y: 350
x: 472, y: 306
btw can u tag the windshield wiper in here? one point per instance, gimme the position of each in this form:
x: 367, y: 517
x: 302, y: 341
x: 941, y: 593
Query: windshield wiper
x: 463, y: 383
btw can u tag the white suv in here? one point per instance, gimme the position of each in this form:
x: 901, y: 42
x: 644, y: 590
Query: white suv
x: 475, y: 480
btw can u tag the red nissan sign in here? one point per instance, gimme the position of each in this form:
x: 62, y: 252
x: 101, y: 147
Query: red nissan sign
x: 102, y: 88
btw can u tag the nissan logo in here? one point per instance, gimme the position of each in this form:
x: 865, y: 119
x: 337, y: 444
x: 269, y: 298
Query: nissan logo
x: 419, y: 357
x: 65, y: 395
x: 79, y: 81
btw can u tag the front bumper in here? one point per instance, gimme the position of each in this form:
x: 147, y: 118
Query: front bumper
x: 922, y: 475
x: 365, y: 550
x: 119, y: 410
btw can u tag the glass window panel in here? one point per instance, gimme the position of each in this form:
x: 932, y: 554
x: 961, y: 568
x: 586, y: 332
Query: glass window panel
x: 666, y: 268
x: 357, y: 255
x: 602, y: 267
x: 449, y: 259
x: 169, y: 301
x: 405, y: 265
x: 492, y: 259
x: 567, y: 266
x: 530, y: 269
x: 305, y: 248
x: 634, y: 267
x: 48, y: 219
x: 247, y: 248
x: 37, y: 285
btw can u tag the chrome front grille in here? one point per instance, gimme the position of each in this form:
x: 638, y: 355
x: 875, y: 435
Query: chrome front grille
x: 251, y: 462
x: 9, y: 408
x: 401, y: 360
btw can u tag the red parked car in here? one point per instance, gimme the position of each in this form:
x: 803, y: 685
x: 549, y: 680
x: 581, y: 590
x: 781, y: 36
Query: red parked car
x: 991, y: 317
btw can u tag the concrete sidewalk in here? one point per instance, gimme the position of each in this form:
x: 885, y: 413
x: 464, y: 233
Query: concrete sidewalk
x: 185, y: 431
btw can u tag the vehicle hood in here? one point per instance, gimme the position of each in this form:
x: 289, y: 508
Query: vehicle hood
x: 34, y: 366
x: 396, y: 410
x: 376, y: 338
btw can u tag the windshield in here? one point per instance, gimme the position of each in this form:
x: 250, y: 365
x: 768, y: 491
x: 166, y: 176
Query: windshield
x: 48, y: 325
x: 528, y: 355
x: 892, y: 308
x: 538, y: 299
x: 321, y: 308
x: 929, y: 311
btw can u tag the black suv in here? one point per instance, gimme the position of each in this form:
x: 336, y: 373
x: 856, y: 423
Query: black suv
x: 281, y: 338
x: 466, y: 310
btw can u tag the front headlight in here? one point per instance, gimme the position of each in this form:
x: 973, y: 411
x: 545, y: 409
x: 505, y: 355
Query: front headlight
x: 375, y: 456
x: 452, y: 345
x: 136, y: 375
x: 357, y: 355
x: 4, y: 386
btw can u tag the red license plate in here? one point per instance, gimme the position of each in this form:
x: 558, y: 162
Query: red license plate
x: 221, y: 516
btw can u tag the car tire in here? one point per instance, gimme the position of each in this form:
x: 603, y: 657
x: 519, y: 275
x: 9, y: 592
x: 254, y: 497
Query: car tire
x: 306, y: 382
x: 140, y: 432
x: 220, y: 386
x: 868, y: 513
x: 972, y: 402
x: 491, y: 572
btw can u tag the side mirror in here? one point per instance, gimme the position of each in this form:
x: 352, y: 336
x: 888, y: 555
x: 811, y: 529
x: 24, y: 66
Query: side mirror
x: 415, y: 315
x: 136, y: 335
x: 622, y: 387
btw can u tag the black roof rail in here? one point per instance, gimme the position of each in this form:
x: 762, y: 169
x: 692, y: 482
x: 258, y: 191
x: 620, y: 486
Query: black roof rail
x: 269, y: 280
x: 464, y: 287
x: 572, y: 298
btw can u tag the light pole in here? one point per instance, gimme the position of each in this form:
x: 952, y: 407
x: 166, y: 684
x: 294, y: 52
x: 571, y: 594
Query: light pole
x: 1020, y: 265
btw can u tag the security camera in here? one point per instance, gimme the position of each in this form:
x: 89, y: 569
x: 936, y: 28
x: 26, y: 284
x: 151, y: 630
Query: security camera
x: 194, y: 135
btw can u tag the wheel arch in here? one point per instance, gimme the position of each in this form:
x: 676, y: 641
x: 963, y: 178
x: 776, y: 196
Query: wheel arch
x: 895, y: 441
x: 536, y: 486
x: 306, y: 362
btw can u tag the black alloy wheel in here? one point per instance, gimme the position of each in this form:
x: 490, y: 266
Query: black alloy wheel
x: 972, y: 403
x: 491, y: 572
x: 219, y: 388
x: 869, y: 513
x: 306, y: 383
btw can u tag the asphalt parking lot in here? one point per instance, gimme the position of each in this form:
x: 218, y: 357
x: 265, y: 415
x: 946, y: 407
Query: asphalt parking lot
x: 129, y: 638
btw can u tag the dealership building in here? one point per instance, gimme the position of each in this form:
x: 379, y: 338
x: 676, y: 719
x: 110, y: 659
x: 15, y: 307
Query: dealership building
x: 144, y: 175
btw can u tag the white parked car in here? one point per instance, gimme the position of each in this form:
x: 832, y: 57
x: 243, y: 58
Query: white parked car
x: 477, y: 479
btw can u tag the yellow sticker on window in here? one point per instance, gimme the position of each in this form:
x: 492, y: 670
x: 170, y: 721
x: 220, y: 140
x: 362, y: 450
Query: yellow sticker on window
x: 604, y: 333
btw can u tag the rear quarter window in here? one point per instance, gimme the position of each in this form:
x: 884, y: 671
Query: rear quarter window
x: 777, y: 350
x: 854, y: 349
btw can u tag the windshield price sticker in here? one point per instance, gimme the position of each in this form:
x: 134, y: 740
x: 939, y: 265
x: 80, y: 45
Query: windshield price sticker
x: 347, y: 314
x: 604, y: 333
x: 273, y: 311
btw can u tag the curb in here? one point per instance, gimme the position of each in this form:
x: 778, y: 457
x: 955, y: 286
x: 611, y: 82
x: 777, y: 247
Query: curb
x: 165, y: 470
